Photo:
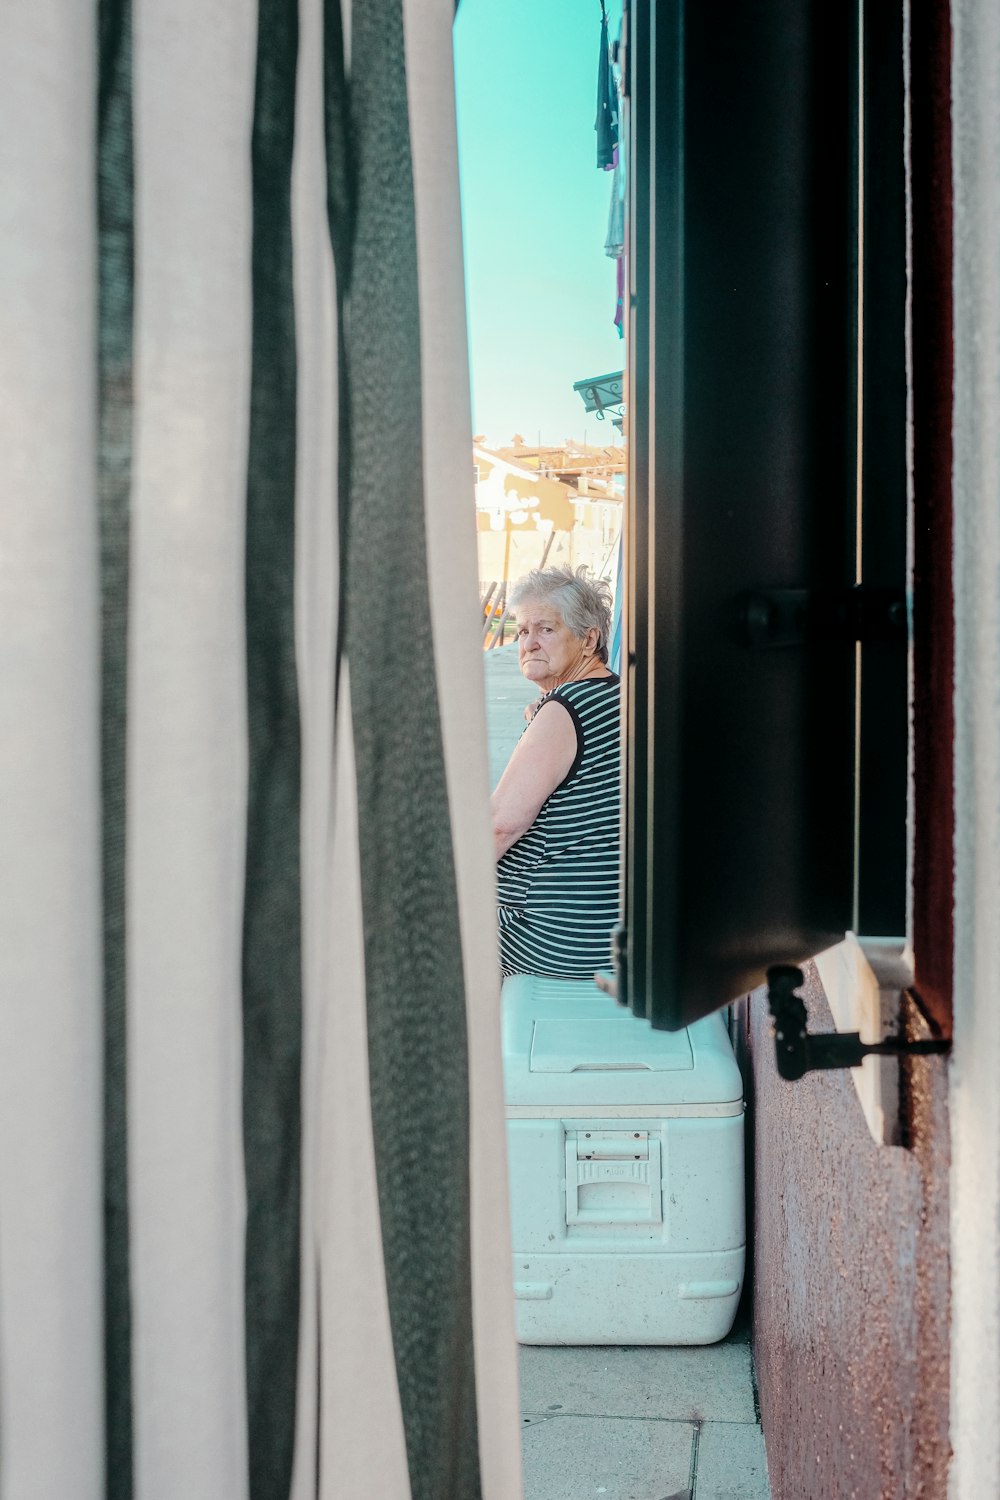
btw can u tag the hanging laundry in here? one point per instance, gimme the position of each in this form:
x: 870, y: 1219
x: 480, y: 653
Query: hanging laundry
x: 614, y: 243
x: 606, y: 123
x: 620, y: 306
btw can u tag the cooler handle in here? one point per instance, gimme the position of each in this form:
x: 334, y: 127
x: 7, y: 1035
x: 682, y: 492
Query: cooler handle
x: 614, y: 1191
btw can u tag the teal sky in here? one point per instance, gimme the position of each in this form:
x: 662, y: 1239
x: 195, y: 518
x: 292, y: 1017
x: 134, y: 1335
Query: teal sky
x: 541, y: 291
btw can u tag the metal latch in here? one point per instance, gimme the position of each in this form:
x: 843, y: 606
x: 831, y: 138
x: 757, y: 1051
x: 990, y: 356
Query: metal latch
x: 799, y: 1053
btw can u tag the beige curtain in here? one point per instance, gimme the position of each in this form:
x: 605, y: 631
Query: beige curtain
x: 253, y: 1219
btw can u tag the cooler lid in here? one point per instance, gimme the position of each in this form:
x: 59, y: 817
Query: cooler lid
x: 606, y: 1045
x: 565, y: 1043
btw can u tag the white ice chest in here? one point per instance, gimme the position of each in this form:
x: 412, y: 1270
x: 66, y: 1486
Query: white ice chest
x: 626, y: 1170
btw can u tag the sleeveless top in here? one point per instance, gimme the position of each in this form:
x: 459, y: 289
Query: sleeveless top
x: 558, y: 885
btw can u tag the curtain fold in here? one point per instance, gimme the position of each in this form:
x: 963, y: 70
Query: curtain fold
x: 248, y: 1039
x: 453, y: 595
x: 416, y: 1029
x: 188, y: 745
x: 51, y: 1023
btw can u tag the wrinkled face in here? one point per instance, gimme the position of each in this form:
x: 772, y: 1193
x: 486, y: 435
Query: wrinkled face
x: 548, y: 651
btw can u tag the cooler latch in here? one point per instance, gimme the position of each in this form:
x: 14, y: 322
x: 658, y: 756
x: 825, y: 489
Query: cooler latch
x: 613, y: 1177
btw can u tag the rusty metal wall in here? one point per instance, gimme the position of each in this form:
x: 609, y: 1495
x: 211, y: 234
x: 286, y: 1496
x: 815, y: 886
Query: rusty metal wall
x: 851, y: 1276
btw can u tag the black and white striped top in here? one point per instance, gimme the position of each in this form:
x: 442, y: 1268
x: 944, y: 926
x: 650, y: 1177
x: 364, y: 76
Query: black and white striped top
x: 558, y: 885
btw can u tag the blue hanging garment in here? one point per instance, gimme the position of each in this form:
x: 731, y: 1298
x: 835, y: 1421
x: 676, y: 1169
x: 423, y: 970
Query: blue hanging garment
x: 606, y: 123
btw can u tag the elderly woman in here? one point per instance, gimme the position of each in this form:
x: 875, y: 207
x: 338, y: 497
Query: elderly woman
x: 556, y: 806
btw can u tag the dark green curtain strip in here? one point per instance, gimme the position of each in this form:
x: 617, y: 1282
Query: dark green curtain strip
x: 115, y: 261
x: 272, y: 923
x: 413, y: 956
x: 341, y: 190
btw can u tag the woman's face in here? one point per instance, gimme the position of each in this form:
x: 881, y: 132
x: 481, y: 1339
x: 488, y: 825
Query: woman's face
x: 548, y: 651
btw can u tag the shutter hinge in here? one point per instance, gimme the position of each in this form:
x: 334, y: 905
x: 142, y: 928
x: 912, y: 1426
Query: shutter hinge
x: 799, y: 1053
x: 792, y: 617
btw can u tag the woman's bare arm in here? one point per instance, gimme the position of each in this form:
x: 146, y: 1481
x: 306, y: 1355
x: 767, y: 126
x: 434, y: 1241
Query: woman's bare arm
x: 541, y: 760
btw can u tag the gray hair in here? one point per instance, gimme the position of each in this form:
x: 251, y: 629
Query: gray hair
x: 581, y: 601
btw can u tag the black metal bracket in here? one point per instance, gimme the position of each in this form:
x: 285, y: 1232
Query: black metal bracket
x: 791, y: 617
x: 799, y: 1053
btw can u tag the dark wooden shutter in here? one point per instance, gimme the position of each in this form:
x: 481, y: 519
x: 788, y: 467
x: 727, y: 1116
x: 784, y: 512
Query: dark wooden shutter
x: 745, y: 437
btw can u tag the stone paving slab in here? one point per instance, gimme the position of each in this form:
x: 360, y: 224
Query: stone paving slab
x: 731, y: 1463
x: 606, y: 1458
x: 709, y: 1384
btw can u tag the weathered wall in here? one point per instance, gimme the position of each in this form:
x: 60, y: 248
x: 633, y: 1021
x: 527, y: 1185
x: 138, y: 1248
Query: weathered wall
x: 851, y: 1249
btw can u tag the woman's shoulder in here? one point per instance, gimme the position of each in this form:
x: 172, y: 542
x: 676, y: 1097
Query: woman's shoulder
x: 596, y: 688
x: 593, y: 703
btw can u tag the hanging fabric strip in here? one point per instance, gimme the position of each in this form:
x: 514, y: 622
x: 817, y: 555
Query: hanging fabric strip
x: 272, y: 960
x: 115, y: 379
x: 413, y: 959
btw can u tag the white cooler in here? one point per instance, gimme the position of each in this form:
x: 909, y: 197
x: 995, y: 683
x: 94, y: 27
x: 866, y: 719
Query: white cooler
x: 626, y: 1170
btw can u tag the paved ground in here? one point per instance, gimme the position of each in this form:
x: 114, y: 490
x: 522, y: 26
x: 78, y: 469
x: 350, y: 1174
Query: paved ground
x: 642, y: 1424
x: 507, y: 695
x: 628, y: 1424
